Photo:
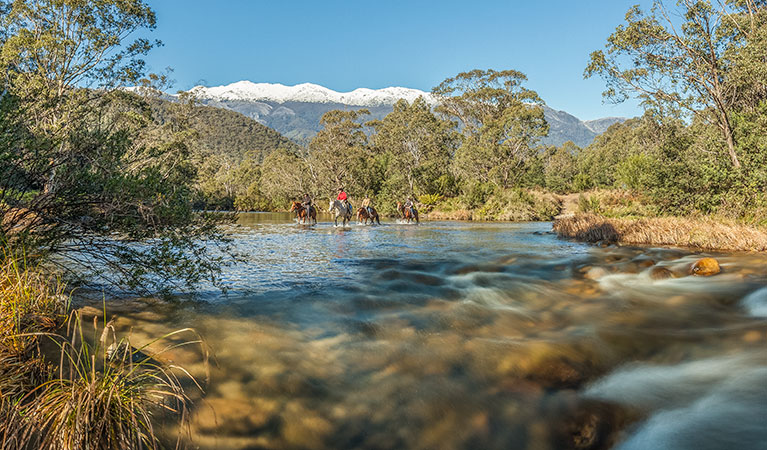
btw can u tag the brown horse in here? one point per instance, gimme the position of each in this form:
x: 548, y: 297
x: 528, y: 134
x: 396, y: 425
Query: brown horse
x: 300, y: 211
x: 408, y: 214
x: 363, y: 214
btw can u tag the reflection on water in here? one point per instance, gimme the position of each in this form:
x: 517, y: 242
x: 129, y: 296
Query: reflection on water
x: 472, y: 335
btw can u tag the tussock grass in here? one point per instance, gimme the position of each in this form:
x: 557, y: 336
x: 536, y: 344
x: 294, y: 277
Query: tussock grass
x: 64, y: 385
x: 30, y: 302
x: 705, y: 233
x: 107, y: 393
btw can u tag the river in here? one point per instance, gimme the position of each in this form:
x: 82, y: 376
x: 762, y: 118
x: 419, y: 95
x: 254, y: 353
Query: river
x: 453, y: 335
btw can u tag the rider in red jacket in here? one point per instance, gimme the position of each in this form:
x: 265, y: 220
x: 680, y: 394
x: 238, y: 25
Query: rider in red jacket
x: 342, y: 197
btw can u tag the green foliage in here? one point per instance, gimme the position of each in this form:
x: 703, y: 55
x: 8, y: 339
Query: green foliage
x: 632, y: 171
x: 414, y: 148
x: 502, y: 122
x: 430, y: 199
x: 89, y: 174
x: 476, y: 194
x: 561, y: 167
x: 518, y: 205
x: 704, y: 66
x: 338, y: 155
x: 589, y: 204
x: 582, y: 182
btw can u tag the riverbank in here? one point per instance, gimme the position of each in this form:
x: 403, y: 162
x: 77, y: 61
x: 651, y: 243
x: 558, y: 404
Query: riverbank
x: 704, y: 233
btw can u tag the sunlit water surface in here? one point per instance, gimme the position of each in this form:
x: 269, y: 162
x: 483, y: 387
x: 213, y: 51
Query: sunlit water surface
x: 455, y: 335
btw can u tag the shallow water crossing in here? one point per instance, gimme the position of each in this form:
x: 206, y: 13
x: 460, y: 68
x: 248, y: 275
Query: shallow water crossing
x: 471, y: 335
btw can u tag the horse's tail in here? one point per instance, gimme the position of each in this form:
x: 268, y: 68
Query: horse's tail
x: 378, y: 219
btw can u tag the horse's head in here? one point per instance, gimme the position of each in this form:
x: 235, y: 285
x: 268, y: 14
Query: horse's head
x: 296, y: 206
x: 331, y: 205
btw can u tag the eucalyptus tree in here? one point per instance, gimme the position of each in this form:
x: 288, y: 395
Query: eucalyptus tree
x: 501, y: 122
x: 285, y: 176
x: 416, y: 146
x: 87, y: 173
x: 339, y: 156
x: 560, y: 167
x: 701, y: 59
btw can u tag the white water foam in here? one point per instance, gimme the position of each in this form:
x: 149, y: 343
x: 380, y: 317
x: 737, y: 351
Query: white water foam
x: 714, y: 404
x: 756, y: 305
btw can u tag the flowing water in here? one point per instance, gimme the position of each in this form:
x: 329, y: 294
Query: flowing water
x: 456, y: 335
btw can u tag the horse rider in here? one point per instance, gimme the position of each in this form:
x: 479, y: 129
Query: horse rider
x: 368, y: 205
x: 344, y: 199
x: 307, y: 204
x: 411, y: 205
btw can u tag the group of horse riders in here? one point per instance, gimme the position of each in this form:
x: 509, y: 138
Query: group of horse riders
x: 407, y: 210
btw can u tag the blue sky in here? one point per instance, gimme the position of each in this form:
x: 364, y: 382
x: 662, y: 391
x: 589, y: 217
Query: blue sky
x: 344, y: 45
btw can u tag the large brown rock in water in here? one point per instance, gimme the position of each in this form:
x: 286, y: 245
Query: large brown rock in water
x: 705, y: 267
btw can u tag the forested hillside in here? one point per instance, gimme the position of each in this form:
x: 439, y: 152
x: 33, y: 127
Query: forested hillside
x: 223, y: 131
x: 226, y: 151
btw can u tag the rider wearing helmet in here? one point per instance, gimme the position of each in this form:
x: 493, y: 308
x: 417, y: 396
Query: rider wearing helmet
x: 368, y: 205
x: 307, y: 204
x: 411, y: 205
x: 343, y: 198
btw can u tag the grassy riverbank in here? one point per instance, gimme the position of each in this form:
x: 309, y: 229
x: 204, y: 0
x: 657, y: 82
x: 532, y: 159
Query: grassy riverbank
x: 622, y: 218
x: 705, y: 233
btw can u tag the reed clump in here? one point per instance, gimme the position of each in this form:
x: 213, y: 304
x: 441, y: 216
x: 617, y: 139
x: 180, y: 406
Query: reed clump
x: 65, y: 385
x: 30, y: 302
x: 705, y: 233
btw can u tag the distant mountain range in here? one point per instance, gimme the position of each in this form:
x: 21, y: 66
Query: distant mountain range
x: 295, y: 111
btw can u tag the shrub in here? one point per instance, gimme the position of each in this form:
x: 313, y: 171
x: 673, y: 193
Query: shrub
x: 430, y: 199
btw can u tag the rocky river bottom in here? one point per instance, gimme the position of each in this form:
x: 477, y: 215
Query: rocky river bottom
x: 456, y: 335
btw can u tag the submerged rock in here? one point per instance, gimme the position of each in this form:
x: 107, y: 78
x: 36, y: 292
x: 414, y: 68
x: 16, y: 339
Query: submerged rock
x: 661, y: 273
x: 705, y: 267
x: 596, y: 273
x: 236, y: 417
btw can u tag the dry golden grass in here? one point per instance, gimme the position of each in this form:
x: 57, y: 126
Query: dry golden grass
x: 704, y: 233
x: 30, y: 302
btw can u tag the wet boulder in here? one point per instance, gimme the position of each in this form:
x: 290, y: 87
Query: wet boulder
x: 644, y: 263
x: 661, y: 273
x: 705, y: 267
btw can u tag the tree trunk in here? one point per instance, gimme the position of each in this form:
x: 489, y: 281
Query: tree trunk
x: 727, y: 129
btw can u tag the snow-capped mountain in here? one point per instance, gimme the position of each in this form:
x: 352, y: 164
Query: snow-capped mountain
x: 308, y: 93
x: 295, y: 111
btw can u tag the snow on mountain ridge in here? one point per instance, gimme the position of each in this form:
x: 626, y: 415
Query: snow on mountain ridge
x: 309, y: 93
